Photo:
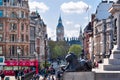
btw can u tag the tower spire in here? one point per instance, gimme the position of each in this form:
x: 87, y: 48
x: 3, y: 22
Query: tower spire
x: 60, y: 30
x: 60, y: 20
x: 81, y: 36
x: 80, y: 30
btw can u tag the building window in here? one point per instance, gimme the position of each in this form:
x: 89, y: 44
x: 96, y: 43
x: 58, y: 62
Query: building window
x: 22, y: 27
x: 22, y: 37
x: 13, y: 15
x: 1, y: 2
x: 13, y: 37
x: 22, y: 50
x: 1, y: 37
x: 32, y: 33
x: 1, y: 26
x: 0, y: 49
x: 22, y: 14
x: 1, y: 13
x: 27, y: 38
x: 13, y: 26
x: 26, y: 27
x: 13, y: 51
x: 13, y: 2
x: 26, y: 15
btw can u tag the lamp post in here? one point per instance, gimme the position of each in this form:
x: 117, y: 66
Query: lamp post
x: 18, y: 52
x: 36, y: 62
x: 45, y: 43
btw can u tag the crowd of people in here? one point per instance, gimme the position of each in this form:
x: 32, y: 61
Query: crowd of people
x: 48, y: 73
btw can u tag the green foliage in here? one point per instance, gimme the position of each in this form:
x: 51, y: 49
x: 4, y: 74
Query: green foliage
x: 47, y: 64
x: 76, y: 49
x: 58, y: 49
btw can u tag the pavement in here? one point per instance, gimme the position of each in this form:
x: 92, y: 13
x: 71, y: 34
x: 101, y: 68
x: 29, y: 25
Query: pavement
x: 97, y: 70
x: 13, y: 78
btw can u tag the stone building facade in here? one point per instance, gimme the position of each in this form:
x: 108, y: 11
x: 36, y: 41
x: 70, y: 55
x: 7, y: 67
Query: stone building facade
x: 99, y: 34
x: 103, y: 28
x: 38, y: 36
x: 87, y: 34
x: 14, y: 28
x: 103, y: 39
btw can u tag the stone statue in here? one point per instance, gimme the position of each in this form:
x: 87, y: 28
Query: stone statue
x: 118, y: 2
x: 77, y: 65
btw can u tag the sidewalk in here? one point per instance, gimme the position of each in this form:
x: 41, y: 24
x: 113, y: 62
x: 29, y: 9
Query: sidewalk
x: 13, y: 78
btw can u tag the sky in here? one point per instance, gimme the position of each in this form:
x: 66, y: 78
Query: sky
x: 74, y: 14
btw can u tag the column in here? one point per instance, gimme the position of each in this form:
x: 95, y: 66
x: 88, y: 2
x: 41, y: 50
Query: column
x: 111, y: 35
x: 118, y: 32
x: 103, y: 39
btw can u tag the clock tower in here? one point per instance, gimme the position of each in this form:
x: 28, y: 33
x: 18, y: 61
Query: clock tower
x: 60, y: 30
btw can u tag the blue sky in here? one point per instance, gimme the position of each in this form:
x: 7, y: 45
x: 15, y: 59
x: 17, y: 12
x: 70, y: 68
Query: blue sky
x: 73, y: 13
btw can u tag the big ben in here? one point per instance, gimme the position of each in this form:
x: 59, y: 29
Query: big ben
x: 60, y: 30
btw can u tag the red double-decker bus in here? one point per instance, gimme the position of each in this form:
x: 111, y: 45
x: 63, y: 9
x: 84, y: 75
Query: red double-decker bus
x: 12, y: 65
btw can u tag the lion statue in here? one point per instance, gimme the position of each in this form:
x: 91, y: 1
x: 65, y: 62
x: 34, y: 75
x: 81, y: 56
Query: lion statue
x: 73, y: 64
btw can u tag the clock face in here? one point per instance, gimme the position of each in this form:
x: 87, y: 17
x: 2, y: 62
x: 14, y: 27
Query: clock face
x: 59, y: 31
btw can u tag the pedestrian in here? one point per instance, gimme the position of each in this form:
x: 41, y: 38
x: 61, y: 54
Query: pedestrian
x: 34, y: 76
x: 45, y: 73
x: 22, y: 72
x: 16, y: 74
x: 59, y: 74
x: 2, y: 75
x: 53, y: 78
x: 37, y: 76
x: 52, y: 71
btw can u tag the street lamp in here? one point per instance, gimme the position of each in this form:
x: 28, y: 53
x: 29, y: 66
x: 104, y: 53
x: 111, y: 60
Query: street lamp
x: 45, y: 43
x: 18, y: 52
x: 36, y: 62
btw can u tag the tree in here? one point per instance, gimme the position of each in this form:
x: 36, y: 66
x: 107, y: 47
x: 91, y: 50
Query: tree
x: 77, y: 49
x: 51, y: 48
x: 58, y: 49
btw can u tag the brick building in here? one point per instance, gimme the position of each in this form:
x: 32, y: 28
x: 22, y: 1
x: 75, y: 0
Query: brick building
x: 14, y: 28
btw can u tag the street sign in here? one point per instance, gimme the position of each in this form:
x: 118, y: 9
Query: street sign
x: 2, y: 59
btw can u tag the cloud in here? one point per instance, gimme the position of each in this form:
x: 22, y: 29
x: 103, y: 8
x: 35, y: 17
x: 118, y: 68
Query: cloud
x: 74, y: 7
x: 86, y: 18
x: 39, y: 6
x: 71, y: 33
x: 51, y: 33
x: 77, y: 26
x: 71, y: 29
x: 68, y: 22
